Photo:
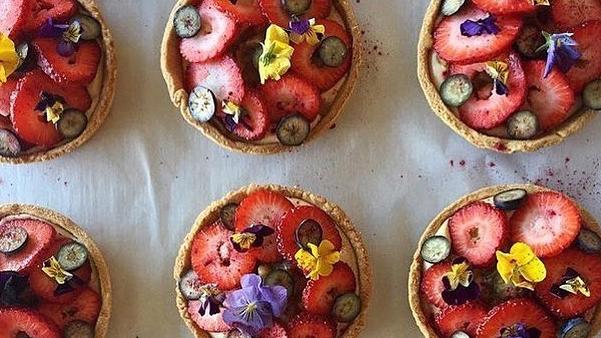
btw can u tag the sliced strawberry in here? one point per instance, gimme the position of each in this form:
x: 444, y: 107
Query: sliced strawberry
x: 275, y: 331
x: 516, y: 311
x: 29, y: 123
x: 486, y: 109
x: 247, y: 11
x: 286, y: 231
x: 40, y: 235
x: 277, y: 13
x: 464, y: 317
x: 588, y: 67
x: 85, y: 307
x: 588, y: 266
x: 477, y: 231
x: 505, y: 6
x: 550, y: 98
x: 210, y: 323
x: 264, y: 207
x: 291, y: 94
x: 222, y: 76
x: 215, y: 260
x: 454, y: 47
x: 307, y: 325
x: 6, y: 90
x: 13, y: 17
x: 79, y: 68
x: 44, y: 10
x: 431, y: 285
x: 23, y: 322
x: 305, y: 64
x: 571, y: 13
x: 547, y: 221
x: 319, y: 295
x: 216, y: 34
x: 256, y: 122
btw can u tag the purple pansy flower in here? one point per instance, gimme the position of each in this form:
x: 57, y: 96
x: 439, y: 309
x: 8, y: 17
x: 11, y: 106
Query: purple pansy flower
x: 487, y: 25
x: 562, y: 51
x: 251, y: 236
x: 300, y: 26
x: 211, y: 299
x: 69, y: 35
x: 48, y: 100
x: 253, y: 307
x: 559, y: 292
x: 520, y: 331
x: 461, y: 294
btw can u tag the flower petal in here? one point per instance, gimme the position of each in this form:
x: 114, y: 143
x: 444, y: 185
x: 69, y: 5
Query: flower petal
x: 534, y: 271
x: 521, y: 253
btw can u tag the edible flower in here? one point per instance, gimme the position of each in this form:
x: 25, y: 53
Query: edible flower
x: 305, y: 30
x: 540, y: 2
x: 253, y: 307
x: 521, y: 266
x: 499, y: 72
x: 487, y: 25
x: 570, y: 283
x: 234, y: 115
x: 54, y: 270
x: 69, y: 34
x: 319, y: 261
x: 252, y: 236
x: 520, y: 330
x: 275, y: 58
x: 211, y: 298
x: 561, y: 50
x: 9, y: 59
x: 459, y: 285
x: 51, y: 106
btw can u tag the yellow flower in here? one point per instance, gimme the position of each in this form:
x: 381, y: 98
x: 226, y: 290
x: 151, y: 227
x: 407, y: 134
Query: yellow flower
x: 54, y: 270
x: 233, y: 109
x: 53, y: 114
x: 541, y: 2
x: 320, y: 261
x: 459, y: 274
x: 309, y: 31
x: 576, y: 285
x: 9, y: 59
x: 275, y: 59
x: 498, y: 70
x: 521, y: 266
x: 244, y: 239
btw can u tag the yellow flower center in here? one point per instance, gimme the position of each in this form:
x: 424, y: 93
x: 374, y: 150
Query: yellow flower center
x: 498, y: 70
x: 319, y: 261
x: 54, y: 270
x: 576, y: 285
x: 460, y: 274
x: 53, y: 114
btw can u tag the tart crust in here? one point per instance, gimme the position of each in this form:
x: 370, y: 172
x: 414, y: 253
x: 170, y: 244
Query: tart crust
x: 81, y: 236
x: 416, y: 268
x: 425, y: 46
x: 173, y: 73
x: 344, y: 225
x: 105, y: 97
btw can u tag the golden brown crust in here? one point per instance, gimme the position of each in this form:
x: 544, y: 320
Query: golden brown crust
x: 416, y: 268
x: 480, y: 140
x: 173, y: 72
x: 345, y: 226
x: 82, y: 237
x: 105, y: 97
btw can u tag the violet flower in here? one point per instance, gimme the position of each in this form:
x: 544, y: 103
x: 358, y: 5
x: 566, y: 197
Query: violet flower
x: 211, y: 299
x: 561, y: 50
x: 520, y: 331
x: 299, y: 27
x: 556, y: 290
x: 48, y: 100
x: 69, y: 35
x: 487, y: 25
x: 459, y: 284
x: 253, y: 307
x: 252, y: 236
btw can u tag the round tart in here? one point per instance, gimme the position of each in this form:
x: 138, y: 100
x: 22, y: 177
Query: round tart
x: 262, y: 238
x: 62, y: 80
x: 55, y: 279
x: 259, y: 101
x: 494, y: 72
x: 522, y: 258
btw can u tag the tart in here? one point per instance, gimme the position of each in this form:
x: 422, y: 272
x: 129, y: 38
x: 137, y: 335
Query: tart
x: 55, y: 282
x: 58, y: 77
x: 258, y: 242
x: 511, y: 260
x: 512, y: 76
x: 261, y: 76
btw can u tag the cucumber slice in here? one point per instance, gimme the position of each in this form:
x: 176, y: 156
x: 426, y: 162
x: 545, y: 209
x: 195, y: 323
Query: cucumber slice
x: 456, y: 90
x: 293, y: 130
x: 12, y: 238
x: 346, y: 307
x: 589, y: 241
x: 202, y: 104
x: 9, y: 144
x: 522, y: 125
x: 72, y: 123
x: 90, y: 27
x: 332, y: 51
x: 187, y: 21
x: 591, y: 95
x: 510, y: 199
x: 227, y: 215
x: 72, y: 256
x: 436, y: 249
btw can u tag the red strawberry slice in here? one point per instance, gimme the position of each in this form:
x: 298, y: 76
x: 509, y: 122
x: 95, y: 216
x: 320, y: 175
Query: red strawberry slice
x: 454, y: 47
x: 210, y: 323
x: 256, y: 122
x: 547, y: 221
x: 477, y: 231
x: 324, y: 77
x: 289, y: 95
x: 247, y: 11
x: 571, y: 13
x: 6, y: 90
x: 40, y: 235
x: 216, y: 34
x: 222, y: 76
x: 588, y: 68
x: 79, y: 68
x: 267, y: 208
x: 215, y: 260
x: 587, y: 266
x: 486, y: 109
x: 277, y: 14
x: 464, y: 317
x: 29, y: 123
x: 319, y: 295
x: 19, y: 322
x: 307, y: 325
x: 286, y: 232
x: 13, y: 17
x: 516, y: 311
x: 550, y: 98
x: 85, y: 307
x: 432, y: 286
x: 275, y: 331
x: 44, y: 10
x: 505, y: 6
